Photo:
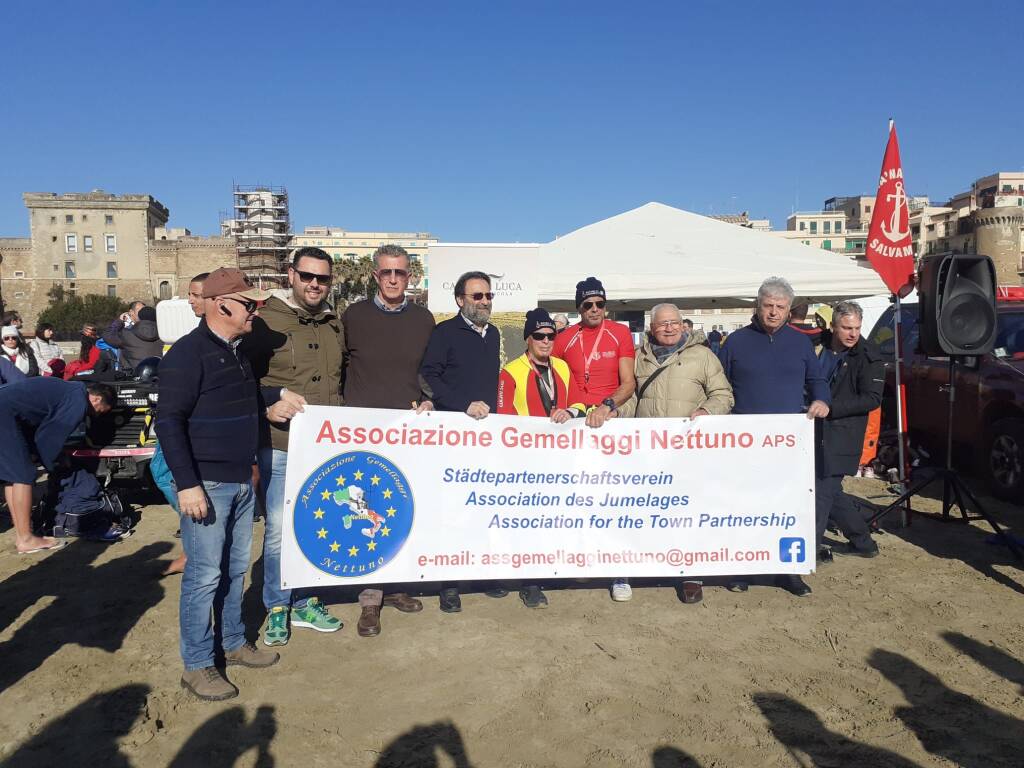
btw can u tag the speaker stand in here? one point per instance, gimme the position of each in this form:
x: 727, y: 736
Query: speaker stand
x: 954, y: 489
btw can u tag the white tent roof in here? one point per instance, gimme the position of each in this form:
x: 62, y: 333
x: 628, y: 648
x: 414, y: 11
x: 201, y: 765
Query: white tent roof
x: 658, y: 253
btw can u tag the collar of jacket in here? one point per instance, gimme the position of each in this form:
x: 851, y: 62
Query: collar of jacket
x: 648, y: 347
x: 231, y: 345
x: 287, y: 304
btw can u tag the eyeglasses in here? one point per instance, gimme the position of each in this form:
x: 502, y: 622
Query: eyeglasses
x: 308, y: 277
x: 251, y: 305
x: 669, y: 324
x: 542, y: 336
x: 399, y: 274
x: 587, y: 305
x: 10, y: 338
x: 479, y: 296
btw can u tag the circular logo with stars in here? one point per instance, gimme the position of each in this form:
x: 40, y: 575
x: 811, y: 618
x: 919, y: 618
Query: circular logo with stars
x: 353, y: 514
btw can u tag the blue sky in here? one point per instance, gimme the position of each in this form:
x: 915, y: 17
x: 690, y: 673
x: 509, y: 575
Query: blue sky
x: 503, y: 121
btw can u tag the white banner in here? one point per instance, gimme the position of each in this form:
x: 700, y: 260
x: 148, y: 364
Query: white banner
x: 378, y: 496
x: 513, y: 269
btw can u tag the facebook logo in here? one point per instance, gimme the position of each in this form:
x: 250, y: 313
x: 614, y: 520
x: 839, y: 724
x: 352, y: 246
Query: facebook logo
x: 792, y: 550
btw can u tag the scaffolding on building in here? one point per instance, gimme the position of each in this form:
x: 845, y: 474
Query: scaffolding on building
x: 261, y: 227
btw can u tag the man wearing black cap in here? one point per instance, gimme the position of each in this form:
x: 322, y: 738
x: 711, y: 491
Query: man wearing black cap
x: 208, y: 423
x: 536, y: 384
x: 600, y: 355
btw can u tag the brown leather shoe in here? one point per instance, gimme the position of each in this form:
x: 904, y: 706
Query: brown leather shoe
x: 369, y: 621
x: 403, y: 602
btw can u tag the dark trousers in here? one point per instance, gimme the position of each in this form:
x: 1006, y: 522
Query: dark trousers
x: 832, y: 501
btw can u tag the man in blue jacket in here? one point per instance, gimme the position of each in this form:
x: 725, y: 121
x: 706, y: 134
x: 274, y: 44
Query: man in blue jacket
x: 208, y: 424
x: 460, y: 369
x: 773, y: 369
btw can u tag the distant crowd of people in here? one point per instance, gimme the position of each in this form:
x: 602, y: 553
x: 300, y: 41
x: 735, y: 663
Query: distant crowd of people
x: 228, y: 390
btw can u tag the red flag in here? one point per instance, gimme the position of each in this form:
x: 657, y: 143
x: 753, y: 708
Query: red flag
x: 889, y: 248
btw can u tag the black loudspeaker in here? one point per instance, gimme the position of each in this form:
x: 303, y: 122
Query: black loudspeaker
x: 957, y: 303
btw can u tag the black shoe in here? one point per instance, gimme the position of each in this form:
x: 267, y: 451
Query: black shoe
x: 793, y: 584
x: 737, y: 585
x: 851, y: 550
x: 497, y: 592
x: 450, y: 600
x: 825, y: 556
x: 533, y: 597
x: 177, y: 534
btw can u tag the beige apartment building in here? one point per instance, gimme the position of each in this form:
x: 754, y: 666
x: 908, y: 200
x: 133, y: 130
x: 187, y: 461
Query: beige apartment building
x: 100, y: 243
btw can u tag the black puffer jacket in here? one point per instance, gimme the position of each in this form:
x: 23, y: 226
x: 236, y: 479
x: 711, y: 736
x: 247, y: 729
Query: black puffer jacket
x: 856, y: 391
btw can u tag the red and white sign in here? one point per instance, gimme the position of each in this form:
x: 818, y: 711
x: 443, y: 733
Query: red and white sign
x: 889, y: 247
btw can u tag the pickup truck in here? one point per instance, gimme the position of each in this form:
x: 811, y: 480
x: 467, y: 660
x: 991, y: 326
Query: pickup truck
x: 988, y: 416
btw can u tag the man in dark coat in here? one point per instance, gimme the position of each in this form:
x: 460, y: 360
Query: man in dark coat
x: 37, y: 416
x: 138, y: 341
x: 855, y: 372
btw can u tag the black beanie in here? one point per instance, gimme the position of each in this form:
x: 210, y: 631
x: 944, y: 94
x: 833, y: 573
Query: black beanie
x: 537, y: 319
x: 587, y: 288
x: 147, y: 313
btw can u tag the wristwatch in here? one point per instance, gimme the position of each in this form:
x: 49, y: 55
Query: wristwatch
x: 610, y: 403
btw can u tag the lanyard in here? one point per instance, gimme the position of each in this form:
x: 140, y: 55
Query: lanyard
x: 588, y: 358
x: 546, y: 381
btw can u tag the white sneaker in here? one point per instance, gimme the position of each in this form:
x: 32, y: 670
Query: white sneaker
x: 621, y: 591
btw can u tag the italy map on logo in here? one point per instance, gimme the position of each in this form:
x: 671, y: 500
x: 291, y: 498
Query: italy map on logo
x: 353, y: 514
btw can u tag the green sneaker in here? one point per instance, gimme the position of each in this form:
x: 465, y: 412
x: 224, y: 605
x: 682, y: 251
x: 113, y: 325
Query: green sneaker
x: 315, y: 616
x: 276, y: 631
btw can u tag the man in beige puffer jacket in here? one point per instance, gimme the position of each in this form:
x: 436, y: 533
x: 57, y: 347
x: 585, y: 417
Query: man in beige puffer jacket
x: 692, y: 382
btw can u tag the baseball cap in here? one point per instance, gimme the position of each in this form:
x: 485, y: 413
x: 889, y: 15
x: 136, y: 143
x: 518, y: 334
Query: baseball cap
x: 230, y: 280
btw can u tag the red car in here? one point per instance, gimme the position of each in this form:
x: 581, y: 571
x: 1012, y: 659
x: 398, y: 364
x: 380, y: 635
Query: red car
x: 988, y: 416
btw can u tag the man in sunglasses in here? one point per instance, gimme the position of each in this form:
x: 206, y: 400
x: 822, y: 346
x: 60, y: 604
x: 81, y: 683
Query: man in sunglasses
x: 208, y: 423
x: 295, y: 349
x: 600, y: 355
x: 537, y: 384
x: 460, y: 368
x: 383, y: 345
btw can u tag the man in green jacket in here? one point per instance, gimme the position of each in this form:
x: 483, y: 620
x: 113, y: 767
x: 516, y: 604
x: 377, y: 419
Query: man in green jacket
x: 677, y: 376
x: 295, y: 349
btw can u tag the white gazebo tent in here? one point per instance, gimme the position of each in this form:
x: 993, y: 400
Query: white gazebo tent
x: 657, y: 253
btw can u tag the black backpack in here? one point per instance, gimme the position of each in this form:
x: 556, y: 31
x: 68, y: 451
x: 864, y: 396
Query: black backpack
x: 78, y: 506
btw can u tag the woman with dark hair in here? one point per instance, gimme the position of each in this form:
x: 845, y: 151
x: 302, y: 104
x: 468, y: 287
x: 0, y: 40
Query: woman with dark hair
x: 47, y: 351
x: 17, y: 351
x: 89, y: 358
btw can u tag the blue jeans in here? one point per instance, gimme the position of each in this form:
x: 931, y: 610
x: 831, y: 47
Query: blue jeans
x: 272, y: 465
x: 218, y: 549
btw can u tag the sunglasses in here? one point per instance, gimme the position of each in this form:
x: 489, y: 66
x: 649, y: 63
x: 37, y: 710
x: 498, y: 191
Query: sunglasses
x: 308, y: 277
x: 479, y: 296
x: 400, y: 274
x: 586, y: 305
x: 10, y: 338
x: 542, y: 336
x: 251, y: 305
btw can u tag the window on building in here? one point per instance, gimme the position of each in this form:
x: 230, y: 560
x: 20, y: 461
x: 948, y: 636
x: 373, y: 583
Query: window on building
x: 19, y: 273
x: 931, y: 227
x: 69, y: 270
x: 69, y: 219
x: 826, y: 227
x: 53, y: 219
x: 111, y: 270
x: 53, y: 239
x: 814, y: 227
x: 839, y: 227
x: 111, y: 241
x: 802, y: 227
x: 826, y: 244
x: 867, y: 209
x: 85, y: 217
x: 108, y: 219
x: 56, y: 267
x: 19, y: 294
x: 71, y: 243
x: 112, y: 291
x: 87, y: 243
x: 72, y: 290
x: 165, y: 290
